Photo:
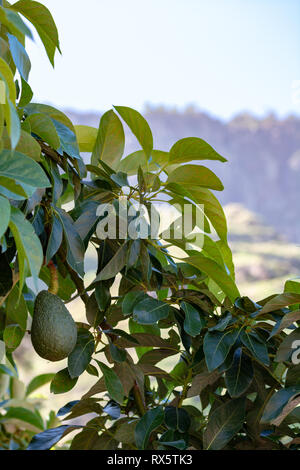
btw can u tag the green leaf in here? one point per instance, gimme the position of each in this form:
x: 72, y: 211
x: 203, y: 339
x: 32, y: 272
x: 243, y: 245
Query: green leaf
x: 195, y: 175
x: 177, y: 419
x: 38, y: 382
x: 193, y: 148
x: 75, y: 253
x: 130, y: 300
x: 86, y: 137
x: 25, y: 415
x: 12, y: 123
x: 114, y: 266
x: 286, y: 348
x: 151, y: 420
x: 19, y: 56
x: 280, y: 301
x: 113, y: 383
x: 256, y: 346
x: 277, y: 403
x: 47, y: 439
x: 16, y: 308
x: 81, y: 355
x: 110, y: 142
x: 117, y: 354
x: 43, y: 22
x: 55, y: 239
x: 27, y: 145
x: 62, y: 382
x: 13, y: 335
x: 43, y: 126
x: 26, y: 94
x: 29, y: 248
x: 14, y: 23
x: 223, y: 424
x: 287, y: 320
x: 22, y: 169
x: 216, y: 347
x: 292, y: 285
x: 7, y: 74
x: 216, y: 273
x: 149, y: 311
x: 193, y: 322
x: 212, y: 208
x: 240, y: 375
x: 138, y: 126
x: 4, y: 215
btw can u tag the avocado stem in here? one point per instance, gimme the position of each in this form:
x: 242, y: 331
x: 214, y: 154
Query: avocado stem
x: 53, y: 287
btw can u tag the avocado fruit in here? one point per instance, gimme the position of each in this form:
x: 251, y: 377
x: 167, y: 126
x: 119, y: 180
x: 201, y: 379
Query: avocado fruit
x: 53, y: 330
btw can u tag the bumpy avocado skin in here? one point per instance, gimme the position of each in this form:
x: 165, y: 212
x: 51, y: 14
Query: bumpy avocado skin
x: 53, y: 330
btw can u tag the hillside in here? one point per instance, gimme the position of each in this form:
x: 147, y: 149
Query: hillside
x: 263, y: 259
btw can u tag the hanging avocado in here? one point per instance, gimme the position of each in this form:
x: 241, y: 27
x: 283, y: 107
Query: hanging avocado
x: 53, y: 331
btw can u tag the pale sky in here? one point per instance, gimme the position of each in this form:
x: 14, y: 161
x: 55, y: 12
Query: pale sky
x: 225, y: 56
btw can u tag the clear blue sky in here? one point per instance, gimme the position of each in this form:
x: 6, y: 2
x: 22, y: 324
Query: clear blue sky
x: 225, y: 56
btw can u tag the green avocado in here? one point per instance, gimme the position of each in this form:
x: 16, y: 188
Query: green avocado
x: 53, y: 330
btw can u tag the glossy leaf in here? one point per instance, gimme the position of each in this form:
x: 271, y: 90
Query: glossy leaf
x: 138, y: 126
x: 193, y: 322
x: 113, y: 383
x: 47, y: 439
x: 149, y: 311
x: 193, y: 148
x: 30, y: 252
x: 81, y: 355
x: 62, y: 382
x: 216, y: 346
x: 19, y: 56
x: 151, y: 420
x: 195, y: 175
x: 256, y: 346
x: 43, y: 22
x: 240, y: 375
x: 223, y: 424
x: 110, y: 142
x: 278, y: 401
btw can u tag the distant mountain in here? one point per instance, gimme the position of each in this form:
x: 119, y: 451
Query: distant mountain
x: 263, y: 259
x: 263, y: 169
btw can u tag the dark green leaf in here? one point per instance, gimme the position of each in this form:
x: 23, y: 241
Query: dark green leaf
x: 278, y: 401
x: 62, y: 382
x: 223, y: 424
x: 240, y: 375
x: 47, y: 439
x: 13, y: 335
x: 151, y: 420
x: 193, y: 322
x: 149, y: 311
x: 113, y: 383
x: 256, y: 346
x: 177, y: 419
x: 81, y: 355
x: 217, y: 345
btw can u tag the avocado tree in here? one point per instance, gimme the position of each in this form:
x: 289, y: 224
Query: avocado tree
x: 158, y: 292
